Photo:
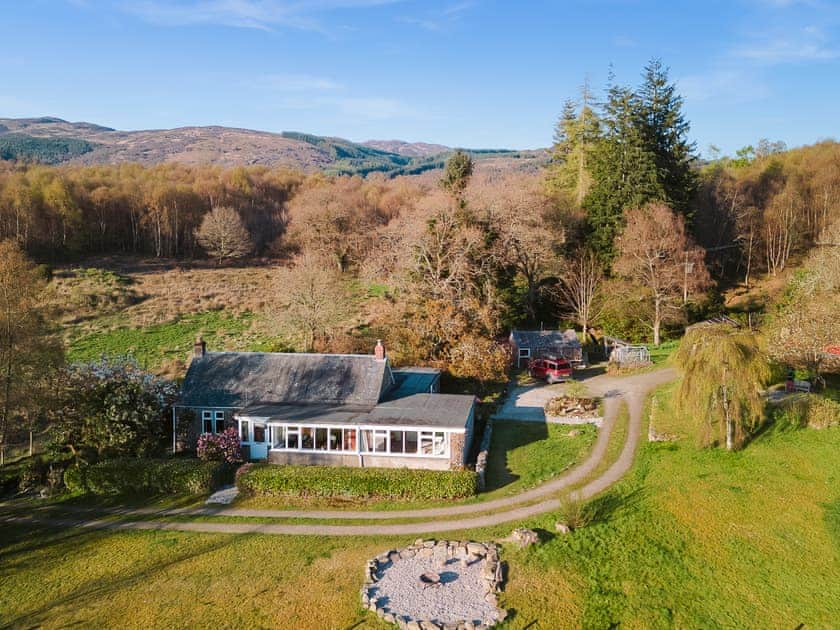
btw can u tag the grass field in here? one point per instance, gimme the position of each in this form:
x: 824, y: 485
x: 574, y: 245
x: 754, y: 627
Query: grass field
x: 170, y: 343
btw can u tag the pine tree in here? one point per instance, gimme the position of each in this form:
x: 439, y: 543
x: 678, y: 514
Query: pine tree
x: 456, y: 176
x: 665, y: 132
x: 623, y: 168
x: 576, y: 132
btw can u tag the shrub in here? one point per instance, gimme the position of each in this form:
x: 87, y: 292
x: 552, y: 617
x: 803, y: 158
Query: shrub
x: 148, y: 476
x: 807, y: 410
x: 574, y: 512
x: 384, y: 483
x: 220, y: 447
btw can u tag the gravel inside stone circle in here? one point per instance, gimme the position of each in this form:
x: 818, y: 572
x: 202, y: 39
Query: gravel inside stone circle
x: 459, y: 597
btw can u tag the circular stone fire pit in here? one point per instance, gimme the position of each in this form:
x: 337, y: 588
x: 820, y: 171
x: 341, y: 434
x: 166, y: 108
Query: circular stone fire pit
x: 436, y: 585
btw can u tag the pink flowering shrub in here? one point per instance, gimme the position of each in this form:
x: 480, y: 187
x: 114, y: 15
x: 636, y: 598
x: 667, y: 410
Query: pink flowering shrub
x: 221, y: 447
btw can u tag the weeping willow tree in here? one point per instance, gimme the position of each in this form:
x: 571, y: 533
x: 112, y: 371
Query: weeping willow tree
x: 725, y: 369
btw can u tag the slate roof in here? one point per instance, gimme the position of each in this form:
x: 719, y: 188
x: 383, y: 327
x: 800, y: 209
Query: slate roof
x: 449, y: 411
x: 545, y: 338
x: 238, y: 379
x: 442, y: 411
x: 414, y: 380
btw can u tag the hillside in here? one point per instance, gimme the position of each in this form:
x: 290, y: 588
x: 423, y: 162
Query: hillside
x: 55, y: 141
x: 409, y: 149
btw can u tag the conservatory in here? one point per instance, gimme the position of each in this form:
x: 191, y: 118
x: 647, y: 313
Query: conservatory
x: 405, y: 433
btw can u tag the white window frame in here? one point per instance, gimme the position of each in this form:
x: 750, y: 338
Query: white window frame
x: 524, y: 353
x: 218, y: 416
x: 437, y: 439
x: 206, y: 416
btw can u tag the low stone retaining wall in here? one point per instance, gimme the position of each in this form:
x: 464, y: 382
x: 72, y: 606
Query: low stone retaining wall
x: 596, y: 420
x: 481, y: 460
x: 465, y: 598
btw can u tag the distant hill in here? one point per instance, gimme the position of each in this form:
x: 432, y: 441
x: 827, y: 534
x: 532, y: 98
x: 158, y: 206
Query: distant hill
x: 409, y: 149
x: 51, y: 140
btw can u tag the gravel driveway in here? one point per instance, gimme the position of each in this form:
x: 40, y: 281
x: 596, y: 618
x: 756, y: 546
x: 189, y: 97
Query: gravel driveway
x: 526, y: 402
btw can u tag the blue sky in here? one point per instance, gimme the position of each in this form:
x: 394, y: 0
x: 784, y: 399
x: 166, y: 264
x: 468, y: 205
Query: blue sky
x: 475, y: 73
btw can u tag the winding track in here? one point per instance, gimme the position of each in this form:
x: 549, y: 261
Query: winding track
x: 632, y: 389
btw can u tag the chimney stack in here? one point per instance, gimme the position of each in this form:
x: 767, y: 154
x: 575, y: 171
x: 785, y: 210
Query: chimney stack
x: 379, y: 351
x: 200, y: 347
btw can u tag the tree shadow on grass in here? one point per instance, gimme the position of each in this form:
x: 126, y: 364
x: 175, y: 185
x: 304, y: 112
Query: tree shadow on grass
x: 102, y: 587
x: 604, y: 507
x: 508, y: 436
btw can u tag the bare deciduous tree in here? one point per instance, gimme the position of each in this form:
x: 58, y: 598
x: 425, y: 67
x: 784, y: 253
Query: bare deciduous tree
x: 223, y: 235
x: 579, y: 288
x: 655, y: 252
x: 313, y: 300
x: 28, y: 353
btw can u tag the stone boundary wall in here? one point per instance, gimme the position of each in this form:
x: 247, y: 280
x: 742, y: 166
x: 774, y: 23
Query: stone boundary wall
x: 596, y: 420
x: 491, y: 573
x: 483, y: 450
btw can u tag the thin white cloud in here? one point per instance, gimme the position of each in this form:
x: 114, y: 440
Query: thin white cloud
x: 298, y: 83
x: 256, y: 14
x: 806, y: 44
x: 728, y: 86
x: 439, y: 21
x: 371, y: 108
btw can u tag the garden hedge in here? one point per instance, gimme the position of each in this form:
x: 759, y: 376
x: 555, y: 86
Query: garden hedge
x: 148, y: 476
x: 808, y: 410
x: 329, y: 481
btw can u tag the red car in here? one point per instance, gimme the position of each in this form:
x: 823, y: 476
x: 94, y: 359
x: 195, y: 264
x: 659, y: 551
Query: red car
x: 552, y: 370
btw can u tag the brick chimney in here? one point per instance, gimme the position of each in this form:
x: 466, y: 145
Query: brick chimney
x: 379, y: 351
x: 200, y: 347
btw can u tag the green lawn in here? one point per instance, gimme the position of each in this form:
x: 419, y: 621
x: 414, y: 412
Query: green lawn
x: 660, y: 354
x: 172, y: 341
x: 524, y: 454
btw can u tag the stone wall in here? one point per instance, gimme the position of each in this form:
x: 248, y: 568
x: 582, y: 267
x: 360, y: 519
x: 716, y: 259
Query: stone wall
x: 483, y: 451
x: 483, y: 555
x: 457, y: 455
x: 353, y: 460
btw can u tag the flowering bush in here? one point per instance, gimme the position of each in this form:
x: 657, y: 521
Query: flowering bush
x: 220, y: 447
x: 111, y: 408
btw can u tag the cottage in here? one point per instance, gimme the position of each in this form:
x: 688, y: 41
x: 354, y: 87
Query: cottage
x: 535, y: 344
x: 329, y: 409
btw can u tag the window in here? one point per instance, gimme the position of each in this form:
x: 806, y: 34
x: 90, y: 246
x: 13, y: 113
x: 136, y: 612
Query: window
x: 335, y: 441
x: 411, y: 442
x: 349, y: 439
x: 433, y: 443
x: 307, y: 437
x: 278, y: 437
x: 397, y: 443
x: 244, y: 431
x: 259, y: 433
x: 292, y: 437
x: 380, y: 441
x: 321, y: 439
x: 524, y: 353
x: 212, y: 421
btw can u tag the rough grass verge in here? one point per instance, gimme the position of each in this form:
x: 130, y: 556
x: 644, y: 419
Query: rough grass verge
x: 328, y: 481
